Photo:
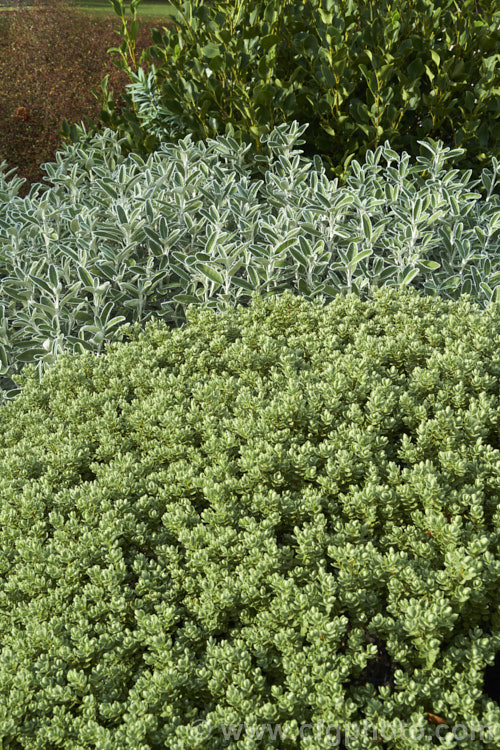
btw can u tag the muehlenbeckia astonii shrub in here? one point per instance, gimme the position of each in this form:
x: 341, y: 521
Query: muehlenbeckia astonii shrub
x: 113, y: 239
x: 286, y: 514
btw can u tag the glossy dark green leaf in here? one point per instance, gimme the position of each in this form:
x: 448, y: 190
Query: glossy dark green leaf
x: 269, y: 41
x: 211, y: 50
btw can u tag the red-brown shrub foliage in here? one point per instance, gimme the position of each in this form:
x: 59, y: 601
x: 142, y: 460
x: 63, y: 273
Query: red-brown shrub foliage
x: 51, y: 57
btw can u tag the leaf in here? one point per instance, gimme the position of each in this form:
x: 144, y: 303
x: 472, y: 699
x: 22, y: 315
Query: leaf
x: 346, y: 201
x: 254, y: 278
x: 409, y: 275
x: 476, y: 276
x: 203, y: 257
x: 325, y: 202
x: 84, y: 317
x: 153, y: 237
x: 31, y: 355
x: 163, y: 228
x: 109, y: 189
x: 186, y: 299
x: 53, y: 275
x: 388, y: 273
x: 359, y: 111
x: 211, y: 243
x: 331, y: 291
x: 435, y: 57
x: 269, y: 41
x: 156, y: 278
x: 415, y: 69
x: 367, y: 227
x: 311, y: 46
x: 325, y: 73
x: 210, y: 273
x: 106, y: 311
x: 133, y: 29
x: 149, y: 211
x: 130, y: 303
x: 299, y: 257
x: 4, y: 360
x: 180, y: 272
x: 362, y: 255
x: 432, y: 265
x: 84, y: 276
x: 370, y: 78
x: 467, y: 286
x: 311, y: 229
x: 12, y: 393
x: 114, y: 322
x: 69, y: 253
x: 122, y: 216
x: 283, y: 246
x: 242, y: 284
x: 41, y: 284
x: 235, y: 268
x: 303, y: 287
x: 486, y: 289
x: 212, y: 50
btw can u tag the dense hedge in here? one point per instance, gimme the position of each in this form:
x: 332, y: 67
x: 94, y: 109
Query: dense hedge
x: 286, y: 513
x: 359, y: 72
x: 111, y: 239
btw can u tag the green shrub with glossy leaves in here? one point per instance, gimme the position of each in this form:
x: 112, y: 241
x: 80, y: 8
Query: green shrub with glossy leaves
x: 286, y: 514
x: 358, y: 72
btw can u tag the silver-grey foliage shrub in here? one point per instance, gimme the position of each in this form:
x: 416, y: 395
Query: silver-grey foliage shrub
x: 285, y: 514
x: 114, y: 240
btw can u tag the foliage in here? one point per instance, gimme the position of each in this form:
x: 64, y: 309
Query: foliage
x: 51, y: 56
x: 128, y: 33
x: 117, y: 239
x: 359, y: 72
x: 284, y: 513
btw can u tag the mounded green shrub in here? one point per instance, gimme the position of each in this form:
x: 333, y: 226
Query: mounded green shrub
x: 282, y: 514
x: 359, y: 72
x: 111, y: 240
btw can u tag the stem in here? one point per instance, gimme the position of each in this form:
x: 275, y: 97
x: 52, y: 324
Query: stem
x: 186, y: 22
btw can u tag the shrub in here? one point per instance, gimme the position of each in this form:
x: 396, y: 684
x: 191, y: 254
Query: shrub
x: 51, y: 57
x: 286, y: 513
x: 114, y: 240
x: 359, y: 73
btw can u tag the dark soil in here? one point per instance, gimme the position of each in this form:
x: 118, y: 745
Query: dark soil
x: 51, y: 57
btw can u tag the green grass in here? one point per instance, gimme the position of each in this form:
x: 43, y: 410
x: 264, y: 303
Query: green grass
x: 104, y: 7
